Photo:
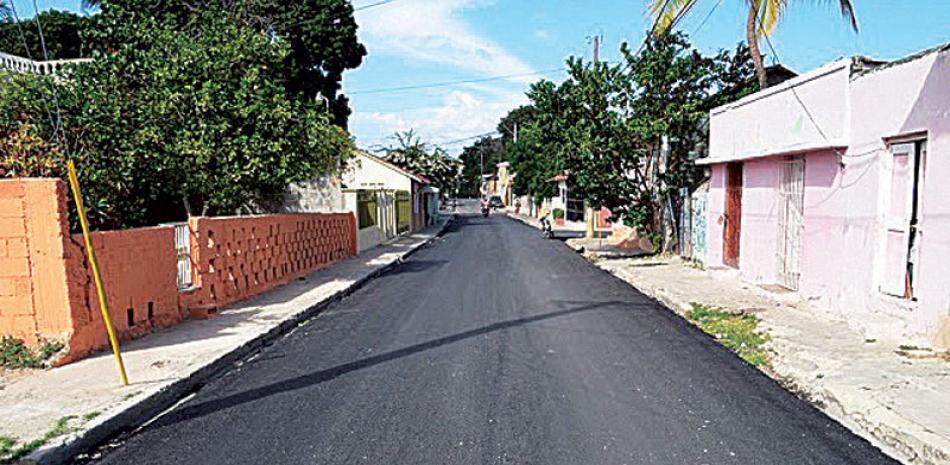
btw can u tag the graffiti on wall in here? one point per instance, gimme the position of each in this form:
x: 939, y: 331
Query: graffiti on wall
x: 698, y: 225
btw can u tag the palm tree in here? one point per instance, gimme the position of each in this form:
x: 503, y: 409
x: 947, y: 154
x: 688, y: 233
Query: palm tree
x: 5, y: 11
x: 762, y: 18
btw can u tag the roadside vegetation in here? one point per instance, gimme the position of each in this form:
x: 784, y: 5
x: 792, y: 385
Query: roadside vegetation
x: 625, y: 133
x: 10, y: 451
x: 15, y: 354
x: 210, y: 108
x: 737, y: 331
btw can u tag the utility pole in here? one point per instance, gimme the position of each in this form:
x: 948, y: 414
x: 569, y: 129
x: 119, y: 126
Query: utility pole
x: 596, y: 41
x: 516, y: 132
x: 588, y: 210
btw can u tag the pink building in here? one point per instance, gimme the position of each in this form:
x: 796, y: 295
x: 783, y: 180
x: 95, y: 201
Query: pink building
x: 836, y: 184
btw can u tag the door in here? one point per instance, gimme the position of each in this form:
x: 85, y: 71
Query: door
x: 732, y: 226
x: 791, y: 211
x: 901, y: 233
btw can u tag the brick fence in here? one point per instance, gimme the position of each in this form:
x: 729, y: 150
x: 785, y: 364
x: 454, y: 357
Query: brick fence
x: 46, y: 286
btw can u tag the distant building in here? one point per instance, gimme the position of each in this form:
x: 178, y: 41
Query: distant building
x: 388, y: 200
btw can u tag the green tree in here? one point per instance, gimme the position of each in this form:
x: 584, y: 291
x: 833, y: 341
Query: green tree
x: 482, y: 155
x: 320, y: 34
x: 61, y: 31
x: 761, y: 19
x: 412, y: 154
x: 173, y: 120
x: 627, y: 135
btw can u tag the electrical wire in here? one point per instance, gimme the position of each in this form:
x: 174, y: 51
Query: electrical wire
x: 29, y: 55
x: 59, y: 115
x: 453, y: 83
x: 341, y: 14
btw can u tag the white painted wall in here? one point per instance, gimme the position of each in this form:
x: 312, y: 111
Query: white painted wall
x: 774, y: 121
x: 368, y: 172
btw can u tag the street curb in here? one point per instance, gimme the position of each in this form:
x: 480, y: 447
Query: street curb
x: 899, y: 445
x: 142, y: 411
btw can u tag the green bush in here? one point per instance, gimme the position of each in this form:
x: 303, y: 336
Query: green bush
x: 558, y: 213
x: 15, y: 354
x: 171, y: 121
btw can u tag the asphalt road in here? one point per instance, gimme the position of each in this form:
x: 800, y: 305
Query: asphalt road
x: 495, y: 346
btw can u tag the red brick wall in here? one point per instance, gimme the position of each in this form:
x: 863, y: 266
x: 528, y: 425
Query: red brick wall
x: 138, y: 267
x: 33, y: 294
x: 239, y: 257
x: 46, y: 285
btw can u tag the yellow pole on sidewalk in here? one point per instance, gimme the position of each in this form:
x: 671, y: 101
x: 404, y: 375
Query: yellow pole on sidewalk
x: 100, y: 291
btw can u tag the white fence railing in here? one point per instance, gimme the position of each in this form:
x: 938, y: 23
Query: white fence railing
x: 22, y: 65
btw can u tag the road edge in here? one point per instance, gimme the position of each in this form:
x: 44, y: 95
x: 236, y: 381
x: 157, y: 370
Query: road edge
x: 137, y: 413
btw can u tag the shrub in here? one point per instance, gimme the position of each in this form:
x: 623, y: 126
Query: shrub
x: 15, y: 354
x: 558, y: 213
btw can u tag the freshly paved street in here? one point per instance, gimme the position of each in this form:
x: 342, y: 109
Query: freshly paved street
x: 495, y: 346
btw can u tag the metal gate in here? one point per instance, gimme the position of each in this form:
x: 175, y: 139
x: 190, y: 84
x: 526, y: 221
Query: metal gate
x: 575, y: 210
x: 183, y: 255
x: 790, y: 222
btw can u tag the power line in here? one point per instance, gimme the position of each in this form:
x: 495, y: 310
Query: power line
x: 29, y: 55
x: 453, y: 83
x: 465, y: 139
x: 708, y: 15
x: 676, y: 19
x: 59, y: 115
x: 341, y: 14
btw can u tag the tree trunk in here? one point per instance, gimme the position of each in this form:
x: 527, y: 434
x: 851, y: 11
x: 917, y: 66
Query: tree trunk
x: 753, y: 39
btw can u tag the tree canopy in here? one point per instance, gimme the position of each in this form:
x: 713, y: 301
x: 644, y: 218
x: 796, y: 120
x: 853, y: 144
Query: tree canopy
x: 320, y: 36
x: 432, y: 162
x: 170, y: 119
x: 62, y: 32
x: 482, y: 155
x: 625, y: 134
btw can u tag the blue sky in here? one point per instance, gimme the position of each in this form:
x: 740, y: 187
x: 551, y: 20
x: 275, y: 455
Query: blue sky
x: 424, y: 41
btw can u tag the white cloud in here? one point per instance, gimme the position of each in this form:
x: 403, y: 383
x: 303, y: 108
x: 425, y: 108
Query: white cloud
x: 460, y: 115
x: 433, y: 30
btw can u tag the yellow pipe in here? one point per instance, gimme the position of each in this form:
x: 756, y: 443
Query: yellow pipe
x: 100, y: 291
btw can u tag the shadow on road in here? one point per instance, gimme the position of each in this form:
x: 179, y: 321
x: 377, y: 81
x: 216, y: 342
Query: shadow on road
x: 300, y: 382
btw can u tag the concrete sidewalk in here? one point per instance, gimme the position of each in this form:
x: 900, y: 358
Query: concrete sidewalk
x: 82, y: 404
x: 895, y: 396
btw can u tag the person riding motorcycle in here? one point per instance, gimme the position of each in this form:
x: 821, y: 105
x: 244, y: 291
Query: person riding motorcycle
x: 545, y: 222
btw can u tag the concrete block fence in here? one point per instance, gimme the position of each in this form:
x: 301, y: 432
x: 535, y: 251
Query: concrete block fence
x: 47, y: 290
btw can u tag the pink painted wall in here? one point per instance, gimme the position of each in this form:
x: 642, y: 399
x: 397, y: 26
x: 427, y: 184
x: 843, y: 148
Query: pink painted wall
x: 898, y: 100
x: 845, y: 199
x: 757, y: 244
x: 714, y: 212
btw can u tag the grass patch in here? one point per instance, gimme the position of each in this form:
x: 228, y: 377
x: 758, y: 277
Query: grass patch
x: 737, y: 331
x: 10, y: 452
x: 15, y: 354
x: 6, y: 446
x: 91, y: 415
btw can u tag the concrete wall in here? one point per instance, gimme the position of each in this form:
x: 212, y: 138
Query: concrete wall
x: 846, y: 196
x: 319, y: 195
x: 47, y: 289
x: 367, y: 172
x: 773, y: 121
